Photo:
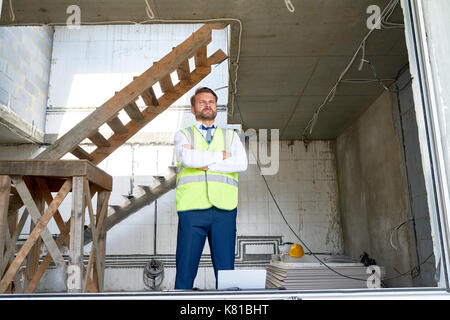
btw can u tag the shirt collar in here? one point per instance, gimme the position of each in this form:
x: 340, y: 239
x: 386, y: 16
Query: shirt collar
x: 199, y: 125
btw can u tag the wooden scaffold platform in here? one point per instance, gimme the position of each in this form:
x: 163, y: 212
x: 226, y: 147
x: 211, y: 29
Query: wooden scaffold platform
x: 30, y: 183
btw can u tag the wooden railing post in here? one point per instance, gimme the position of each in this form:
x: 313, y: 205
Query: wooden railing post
x: 75, y: 268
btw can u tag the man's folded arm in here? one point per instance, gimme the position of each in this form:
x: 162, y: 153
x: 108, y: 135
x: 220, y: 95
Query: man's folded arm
x: 191, y: 158
x: 236, y: 163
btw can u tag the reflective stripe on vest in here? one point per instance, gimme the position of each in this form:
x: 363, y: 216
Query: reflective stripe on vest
x: 209, y: 177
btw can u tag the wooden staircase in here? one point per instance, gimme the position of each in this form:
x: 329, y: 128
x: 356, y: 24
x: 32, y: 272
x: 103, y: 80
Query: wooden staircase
x: 176, y: 61
x: 142, y: 196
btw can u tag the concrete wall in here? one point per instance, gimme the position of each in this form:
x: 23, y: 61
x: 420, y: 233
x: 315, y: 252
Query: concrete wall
x: 25, y: 54
x: 406, y: 124
x: 305, y: 188
x: 373, y: 188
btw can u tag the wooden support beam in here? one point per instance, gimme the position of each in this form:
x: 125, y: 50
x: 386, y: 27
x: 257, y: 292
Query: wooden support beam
x: 13, y: 217
x: 39, y: 230
x: 29, y: 288
x: 102, y: 208
x: 59, y: 169
x: 94, y: 248
x: 12, y: 244
x: 41, y: 222
x: 5, y: 188
x: 32, y: 259
x: 75, y: 268
x: 80, y: 153
x: 99, y: 140
x: 15, y: 203
x: 12, y: 223
x: 62, y: 237
x: 47, y: 196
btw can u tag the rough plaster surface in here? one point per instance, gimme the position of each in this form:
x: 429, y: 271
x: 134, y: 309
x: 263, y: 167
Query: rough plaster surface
x: 373, y: 190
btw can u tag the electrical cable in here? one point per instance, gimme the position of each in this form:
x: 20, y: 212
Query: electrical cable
x: 387, y: 12
x: 372, y: 67
x: 396, y: 229
x: 391, y: 25
x: 303, y: 243
x: 287, y: 223
x: 359, y: 81
x: 149, y: 10
x: 289, y: 6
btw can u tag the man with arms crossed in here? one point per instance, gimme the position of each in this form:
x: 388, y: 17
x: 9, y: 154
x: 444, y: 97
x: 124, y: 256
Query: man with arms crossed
x: 209, y: 159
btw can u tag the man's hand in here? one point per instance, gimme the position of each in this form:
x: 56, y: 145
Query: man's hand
x: 226, y: 154
x: 204, y: 168
x: 188, y: 146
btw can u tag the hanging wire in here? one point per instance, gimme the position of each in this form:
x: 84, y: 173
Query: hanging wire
x: 11, y: 11
x: 387, y: 12
x: 289, y: 5
x: 149, y: 10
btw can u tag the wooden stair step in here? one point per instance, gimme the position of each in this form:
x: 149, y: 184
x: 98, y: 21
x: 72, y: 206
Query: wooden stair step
x: 99, y: 140
x: 183, y: 71
x: 145, y: 189
x: 114, y: 207
x: 133, y: 111
x: 166, y: 84
x: 149, y: 98
x: 158, y: 179
x: 117, y: 126
x: 80, y: 153
x: 200, y: 57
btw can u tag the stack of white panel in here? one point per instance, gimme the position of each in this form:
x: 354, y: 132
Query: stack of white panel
x: 310, y: 275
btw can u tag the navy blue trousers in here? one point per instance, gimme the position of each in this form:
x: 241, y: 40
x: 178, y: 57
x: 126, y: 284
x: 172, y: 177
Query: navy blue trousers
x: 194, y: 226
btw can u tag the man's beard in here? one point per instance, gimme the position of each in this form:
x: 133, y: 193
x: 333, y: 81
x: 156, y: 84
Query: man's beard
x: 206, y: 116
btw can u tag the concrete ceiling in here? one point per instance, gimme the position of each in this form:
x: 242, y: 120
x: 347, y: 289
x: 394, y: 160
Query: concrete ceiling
x: 288, y: 61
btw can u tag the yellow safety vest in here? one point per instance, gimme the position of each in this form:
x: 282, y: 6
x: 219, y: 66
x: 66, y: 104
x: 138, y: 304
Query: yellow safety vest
x: 199, y: 189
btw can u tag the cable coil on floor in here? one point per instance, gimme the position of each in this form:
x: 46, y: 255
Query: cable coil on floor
x: 153, y: 274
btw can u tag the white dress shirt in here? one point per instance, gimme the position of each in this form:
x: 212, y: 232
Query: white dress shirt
x: 212, y: 159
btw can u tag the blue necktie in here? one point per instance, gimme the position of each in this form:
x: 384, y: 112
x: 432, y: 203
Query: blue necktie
x: 208, y: 132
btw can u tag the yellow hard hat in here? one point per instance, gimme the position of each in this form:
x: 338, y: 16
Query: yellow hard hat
x: 296, y: 250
